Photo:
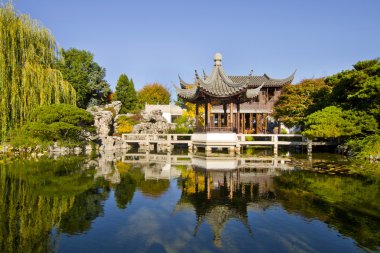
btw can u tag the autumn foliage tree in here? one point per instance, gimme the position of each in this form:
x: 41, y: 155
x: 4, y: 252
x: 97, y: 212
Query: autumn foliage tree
x: 154, y: 93
x: 298, y: 101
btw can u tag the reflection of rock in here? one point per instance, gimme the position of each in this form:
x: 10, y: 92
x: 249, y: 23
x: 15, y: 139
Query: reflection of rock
x: 161, y: 171
x: 106, y: 168
x: 152, y: 123
x: 57, y: 151
x: 112, y: 143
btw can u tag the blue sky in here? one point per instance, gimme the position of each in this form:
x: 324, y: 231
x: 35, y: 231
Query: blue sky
x: 154, y: 41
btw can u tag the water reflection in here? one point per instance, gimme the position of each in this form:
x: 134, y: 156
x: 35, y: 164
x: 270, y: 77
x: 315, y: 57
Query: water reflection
x: 220, y: 190
x: 46, y: 202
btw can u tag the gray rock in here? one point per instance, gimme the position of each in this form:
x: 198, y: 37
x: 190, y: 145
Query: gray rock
x: 103, y: 123
x: 152, y: 123
x: 104, y: 118
x: 116, y: 106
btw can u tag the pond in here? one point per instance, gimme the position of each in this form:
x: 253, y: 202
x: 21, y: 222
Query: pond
x: 169, y: 203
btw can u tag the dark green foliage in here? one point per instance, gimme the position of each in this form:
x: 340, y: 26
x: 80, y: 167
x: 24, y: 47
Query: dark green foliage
x: 86, y: 76
x: 124, y: 191
x: 359, y: 88
x: 85, y: 209
x: 63, y: 113
x: 59, y: 122
x: 353, y: 109
x: 365, y: 147
x: 126, y: 93
x: 333, y: 122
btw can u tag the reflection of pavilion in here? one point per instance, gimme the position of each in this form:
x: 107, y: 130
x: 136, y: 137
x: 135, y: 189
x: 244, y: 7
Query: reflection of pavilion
x: 160, y: 171
x: 235, y: 174
x: 221, y: 190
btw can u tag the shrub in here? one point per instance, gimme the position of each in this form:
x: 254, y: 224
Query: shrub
x: 366, y: 147
x: 249, y: 138
x: 60, y: 122
x: 125, y: 124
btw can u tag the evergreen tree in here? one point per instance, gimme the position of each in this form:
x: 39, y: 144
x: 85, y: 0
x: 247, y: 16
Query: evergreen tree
x: 126, y: 93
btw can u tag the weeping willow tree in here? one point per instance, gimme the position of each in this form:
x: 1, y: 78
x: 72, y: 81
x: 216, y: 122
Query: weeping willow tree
x: 28, y: 77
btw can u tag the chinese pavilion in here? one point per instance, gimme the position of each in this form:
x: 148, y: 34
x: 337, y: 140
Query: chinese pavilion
x: 224, y: 97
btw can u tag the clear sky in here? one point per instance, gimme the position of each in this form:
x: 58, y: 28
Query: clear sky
x: 155, y: 40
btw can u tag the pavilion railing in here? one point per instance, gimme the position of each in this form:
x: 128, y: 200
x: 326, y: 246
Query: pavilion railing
x: 203, y: 129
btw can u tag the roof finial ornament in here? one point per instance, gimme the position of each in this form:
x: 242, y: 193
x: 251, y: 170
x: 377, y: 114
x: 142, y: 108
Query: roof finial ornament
x: 196, y: 74
x: 218, y: 59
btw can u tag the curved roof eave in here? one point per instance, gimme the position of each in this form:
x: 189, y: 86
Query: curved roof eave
x: 183, y: 84
x: 252, y: 93
x: 287, y: 79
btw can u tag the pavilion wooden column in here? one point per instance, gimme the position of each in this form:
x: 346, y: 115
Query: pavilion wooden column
x: 238, y: 117
x: 206, y: 115
x: 265, y: 119
x: 196, y: 114
x: 250, y: 122
x: 225, y: 114
x: 258, y: 123
x: 219, y: 119
x: 232, y: 116
x: 243, y: 123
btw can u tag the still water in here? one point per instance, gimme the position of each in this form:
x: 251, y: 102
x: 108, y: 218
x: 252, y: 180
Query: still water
x: 161, y: 203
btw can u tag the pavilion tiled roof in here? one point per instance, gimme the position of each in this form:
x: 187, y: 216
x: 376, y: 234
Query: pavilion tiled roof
x: 256, y: 81
x: 219, y: 85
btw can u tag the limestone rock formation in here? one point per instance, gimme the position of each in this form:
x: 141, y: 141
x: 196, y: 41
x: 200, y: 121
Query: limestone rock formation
x: 103, y: 123
x: 152, y: 123
x: 116, y: 105
x: 104, y: 118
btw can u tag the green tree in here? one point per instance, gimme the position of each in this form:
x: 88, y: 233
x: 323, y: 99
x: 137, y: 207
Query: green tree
x: 298, y: 101
x: 126, y: 93
x: 359, y: 88
x: 154, y: 93
x: 86, y: 76
x: 28, y: 77
x: 333, y: 122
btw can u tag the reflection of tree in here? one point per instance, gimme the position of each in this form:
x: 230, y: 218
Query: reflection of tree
x: 86, y: 208
x: 125, y: 190
x: 135, y: 177
x: 154, y: 188
x: 351, y: 205
x: 34, y: 195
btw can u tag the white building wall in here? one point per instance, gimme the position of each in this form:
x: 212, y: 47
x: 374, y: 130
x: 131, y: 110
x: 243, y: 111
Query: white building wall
x: 167, y: 116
